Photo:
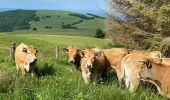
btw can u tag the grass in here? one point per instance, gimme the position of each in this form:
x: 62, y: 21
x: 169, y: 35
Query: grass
x: 56, y: 78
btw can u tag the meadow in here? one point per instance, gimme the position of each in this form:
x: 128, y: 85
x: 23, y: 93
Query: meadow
x: 56, y: 79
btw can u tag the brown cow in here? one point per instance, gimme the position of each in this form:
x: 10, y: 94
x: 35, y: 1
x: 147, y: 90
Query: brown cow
x: 93, y: 65
x: 73, y: 55
x: 157, y: 72
x: 25, y: 58
x: 130, y: 67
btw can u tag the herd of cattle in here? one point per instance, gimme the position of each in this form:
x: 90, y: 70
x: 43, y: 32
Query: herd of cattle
x: 131, y: 66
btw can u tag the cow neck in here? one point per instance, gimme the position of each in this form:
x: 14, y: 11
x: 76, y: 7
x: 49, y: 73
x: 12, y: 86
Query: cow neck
x: 77, y: 61
x: 158, y: 73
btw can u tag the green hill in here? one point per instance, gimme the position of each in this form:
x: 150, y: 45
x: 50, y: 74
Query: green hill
x: 51, y: 22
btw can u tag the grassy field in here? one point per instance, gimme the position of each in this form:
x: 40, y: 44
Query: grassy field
x: 56, y: 78
x: 85, y: 28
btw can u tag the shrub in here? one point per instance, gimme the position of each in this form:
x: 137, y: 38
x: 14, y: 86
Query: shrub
x: 34, y: 29
x: 99, y: 34
x: 68, y: 26
x: 36, y: 19
x: 48, y: 27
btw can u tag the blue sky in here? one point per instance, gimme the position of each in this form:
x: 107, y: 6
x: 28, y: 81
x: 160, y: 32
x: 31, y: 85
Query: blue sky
x: 55, y: 4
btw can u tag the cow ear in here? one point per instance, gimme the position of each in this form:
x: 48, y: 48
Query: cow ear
x: 80, y: 52
x: 65, y: 50
x: 147, y: 63
x: 24, y: 50
x: 37, y: 50
x: 98, y: 54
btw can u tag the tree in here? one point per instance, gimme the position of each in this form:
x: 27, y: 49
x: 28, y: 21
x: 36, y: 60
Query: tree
x: 146, y: 23
x: 99, y: 34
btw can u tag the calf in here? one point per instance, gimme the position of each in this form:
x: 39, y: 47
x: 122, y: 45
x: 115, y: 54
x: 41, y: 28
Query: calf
x: 25, y: 58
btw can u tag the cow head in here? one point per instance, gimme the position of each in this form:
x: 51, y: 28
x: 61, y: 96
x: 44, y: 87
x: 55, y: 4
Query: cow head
x: 30, y: 53
x: 146, y: 67
x: 72, y: 52
x: 89, y: 56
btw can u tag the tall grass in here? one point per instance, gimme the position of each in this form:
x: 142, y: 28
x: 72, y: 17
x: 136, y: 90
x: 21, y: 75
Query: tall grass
x: 56, y: 79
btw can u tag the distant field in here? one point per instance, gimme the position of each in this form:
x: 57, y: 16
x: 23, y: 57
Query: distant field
x: 69, y: 40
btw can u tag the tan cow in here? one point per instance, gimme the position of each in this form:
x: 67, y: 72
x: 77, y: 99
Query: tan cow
x: 157, y: 72
x: 130, y: 67
x: 25, y: 58
x: 115, y: 56
x: 93, y: 65
x: 73, y: 56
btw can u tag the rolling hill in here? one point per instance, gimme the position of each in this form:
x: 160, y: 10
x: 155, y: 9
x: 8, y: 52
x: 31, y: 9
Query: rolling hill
x: 50, y: 22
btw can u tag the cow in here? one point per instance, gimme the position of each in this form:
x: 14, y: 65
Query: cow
x: 115, y: 56
x: 25, y: 58
x: 94, y: 64
x: 130, y: 68
x: 73, y: 56
x: 157, y: 72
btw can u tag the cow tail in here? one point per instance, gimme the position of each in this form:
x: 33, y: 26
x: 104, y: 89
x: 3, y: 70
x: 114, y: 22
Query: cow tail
x: 122, y: 76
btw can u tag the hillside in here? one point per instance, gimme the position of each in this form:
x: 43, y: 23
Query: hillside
x: 50, y: 22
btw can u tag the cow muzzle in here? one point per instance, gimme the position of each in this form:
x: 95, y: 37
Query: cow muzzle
x: 34, y: 61
x: 90, y: 67
x: 71, y: 61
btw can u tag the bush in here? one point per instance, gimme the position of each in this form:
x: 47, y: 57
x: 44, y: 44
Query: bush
x: 48, y: 16
x: 82, y: 16
x: 68, y: 26
x: 48, y: 27
x: 99, y: 34
x: 36, y: 19
x: 34, y: 29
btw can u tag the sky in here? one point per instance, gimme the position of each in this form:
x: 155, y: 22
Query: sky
x: 55, y: 4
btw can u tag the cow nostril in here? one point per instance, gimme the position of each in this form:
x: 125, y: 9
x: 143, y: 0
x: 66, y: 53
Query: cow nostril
x: 89, y: 66
x: 71, y: 61
x: 35, y: 59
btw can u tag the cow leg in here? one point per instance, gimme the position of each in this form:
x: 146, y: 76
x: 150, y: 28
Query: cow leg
x: 96, y: 78
x: 17, y: 67
x: 134, y: 84
x: 23, y: 71
x: 33, y: 72
x: 118, y: 72
x: 27, y: 67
